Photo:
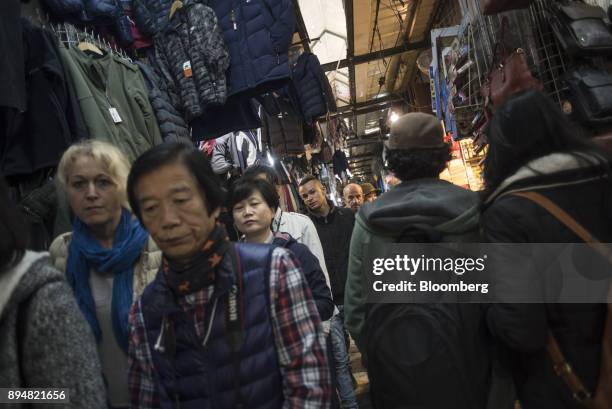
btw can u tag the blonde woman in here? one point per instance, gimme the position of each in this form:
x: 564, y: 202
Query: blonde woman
x: 108, y: 257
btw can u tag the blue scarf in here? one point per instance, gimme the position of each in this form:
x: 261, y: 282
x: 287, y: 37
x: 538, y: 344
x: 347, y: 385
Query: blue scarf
x: 85, y: 253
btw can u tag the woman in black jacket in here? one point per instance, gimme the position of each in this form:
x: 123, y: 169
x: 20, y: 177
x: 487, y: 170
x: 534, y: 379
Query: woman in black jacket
x: 254, y: 203
x: 534, y: 148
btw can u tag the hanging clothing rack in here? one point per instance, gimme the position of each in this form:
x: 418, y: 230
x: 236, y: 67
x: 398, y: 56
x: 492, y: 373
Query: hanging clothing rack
x: 71, y: 36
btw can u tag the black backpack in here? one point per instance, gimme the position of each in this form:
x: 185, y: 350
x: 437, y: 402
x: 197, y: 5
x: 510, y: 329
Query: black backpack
x: 429, y: 356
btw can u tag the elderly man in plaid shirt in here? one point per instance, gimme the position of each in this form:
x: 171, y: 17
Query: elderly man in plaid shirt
x: 224, y: 325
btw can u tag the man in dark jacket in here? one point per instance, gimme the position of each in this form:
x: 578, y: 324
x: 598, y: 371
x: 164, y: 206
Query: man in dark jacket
x: 334, y: 226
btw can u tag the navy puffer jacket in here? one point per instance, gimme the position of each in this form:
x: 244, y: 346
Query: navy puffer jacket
x: 152, y: 16
x: 94, y: 12
x: 258, y: 34
x: 313, y: 92
x: 171, y: 123
x: 321, y: 292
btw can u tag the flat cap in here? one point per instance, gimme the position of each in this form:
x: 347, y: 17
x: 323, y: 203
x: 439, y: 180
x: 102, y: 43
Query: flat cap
x: 416, y: 130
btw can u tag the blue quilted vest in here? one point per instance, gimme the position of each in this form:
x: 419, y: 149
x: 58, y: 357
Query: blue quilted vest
x: 189, y: 376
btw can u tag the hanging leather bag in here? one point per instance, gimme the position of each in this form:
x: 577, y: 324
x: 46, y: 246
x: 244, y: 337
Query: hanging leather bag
x: 498, y: 6
x: 509, y: 75
x: 580, y: 28
x: 591, y: 95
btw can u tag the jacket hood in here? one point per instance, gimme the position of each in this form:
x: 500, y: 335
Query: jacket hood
x: 17, y: 284
x: 423, y: 201
x: 537, y: 173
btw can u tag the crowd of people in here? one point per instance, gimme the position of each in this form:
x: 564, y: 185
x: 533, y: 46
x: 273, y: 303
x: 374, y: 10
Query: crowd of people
x: 147, y: 303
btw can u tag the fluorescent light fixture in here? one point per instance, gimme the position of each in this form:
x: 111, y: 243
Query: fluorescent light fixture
x: 372, y: 130
x: 394, y: 117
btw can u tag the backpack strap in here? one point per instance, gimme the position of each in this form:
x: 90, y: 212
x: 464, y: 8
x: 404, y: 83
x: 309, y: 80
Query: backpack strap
x: 562, y: 368
x: 234, y: 322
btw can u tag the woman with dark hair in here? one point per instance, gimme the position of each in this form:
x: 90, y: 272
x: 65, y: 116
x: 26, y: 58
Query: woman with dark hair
x: 254, y: 203
x: 46, y: 342
x: 537, y: 157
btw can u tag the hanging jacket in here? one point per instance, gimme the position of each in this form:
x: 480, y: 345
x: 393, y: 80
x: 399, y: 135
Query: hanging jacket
x: 194, y: 53
x: 171, y: 123
x: 236, y: 115
x: 186, y: 375
x: 282, y: 127
x: 151, y: 16
x: 311, y: 88
x: 340, y: 162
x: 234, y: 151
x: 94, y: 12
x: 53, y: 119
x: 104, y: 82
x: 258, y: 34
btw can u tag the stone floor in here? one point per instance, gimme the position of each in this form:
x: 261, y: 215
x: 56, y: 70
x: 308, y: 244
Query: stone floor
x: 363, y: 387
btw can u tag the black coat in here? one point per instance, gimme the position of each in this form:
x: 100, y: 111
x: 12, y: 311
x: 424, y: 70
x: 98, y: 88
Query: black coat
x: 282, y: 127
x: 522, y: 328
x: 312, y: 90
x: 312, y: 271
x: 53, y: 119
x: 335, y: 232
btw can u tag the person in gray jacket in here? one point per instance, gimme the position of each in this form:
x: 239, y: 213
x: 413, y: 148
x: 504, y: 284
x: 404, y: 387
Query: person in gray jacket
x: 46, y: 342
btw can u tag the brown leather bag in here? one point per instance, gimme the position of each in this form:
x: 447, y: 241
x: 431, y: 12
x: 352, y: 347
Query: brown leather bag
x: 509, y: 75
x: 498, y: 6
x: 603, y: 394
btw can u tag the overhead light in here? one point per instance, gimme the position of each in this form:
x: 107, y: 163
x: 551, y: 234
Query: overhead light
x: 372, y: 130
x: 394, y: 117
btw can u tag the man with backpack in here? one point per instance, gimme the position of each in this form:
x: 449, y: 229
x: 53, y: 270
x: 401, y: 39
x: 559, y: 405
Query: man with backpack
x: 426, y: 356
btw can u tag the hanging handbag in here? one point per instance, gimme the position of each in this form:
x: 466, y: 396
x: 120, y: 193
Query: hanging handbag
x: 591, y: 95
x: 580, y: 28
x: 602, y: 399
x: 510, y: 73
x: 498, y: 6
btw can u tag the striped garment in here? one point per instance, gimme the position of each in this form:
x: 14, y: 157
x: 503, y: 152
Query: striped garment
x: 298, y: 334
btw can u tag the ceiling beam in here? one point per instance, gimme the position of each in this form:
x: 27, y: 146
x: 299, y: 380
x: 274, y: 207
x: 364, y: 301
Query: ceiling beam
x: 375, y: 55
x: 366, y: 107
x: 301, y: 26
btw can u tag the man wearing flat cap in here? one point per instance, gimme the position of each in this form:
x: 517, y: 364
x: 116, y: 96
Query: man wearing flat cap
x: 416, y: 153
x: 370, y: 193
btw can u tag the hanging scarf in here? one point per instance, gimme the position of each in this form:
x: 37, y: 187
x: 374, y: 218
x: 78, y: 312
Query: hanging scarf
x: 200, y: 273
x: 86, y: 253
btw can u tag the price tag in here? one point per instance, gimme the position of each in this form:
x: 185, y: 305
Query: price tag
x: 115, y: 115
x: 187, y: 71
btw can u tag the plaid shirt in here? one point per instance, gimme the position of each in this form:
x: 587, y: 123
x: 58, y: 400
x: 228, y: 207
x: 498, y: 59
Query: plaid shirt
x: 298, y: 336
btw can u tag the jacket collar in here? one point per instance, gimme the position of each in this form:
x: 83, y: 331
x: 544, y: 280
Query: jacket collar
x: 325, y: 219
x: 538, y: 169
